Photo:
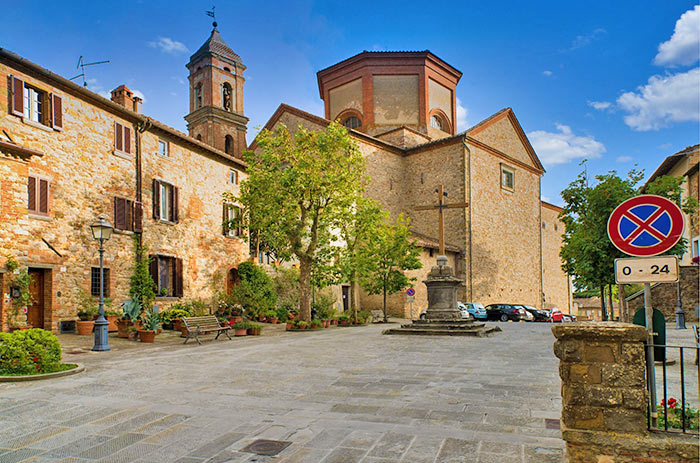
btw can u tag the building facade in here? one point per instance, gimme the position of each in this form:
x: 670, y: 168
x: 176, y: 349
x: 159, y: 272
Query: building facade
x: 68, y: 155
x: 401, y: 109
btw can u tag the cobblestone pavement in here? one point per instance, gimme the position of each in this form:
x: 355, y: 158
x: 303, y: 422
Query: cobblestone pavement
x: 341, y: 395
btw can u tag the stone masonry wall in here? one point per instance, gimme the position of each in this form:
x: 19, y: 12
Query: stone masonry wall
x: 664, y: 296
x: 554, y: 280
x: 604, y: 400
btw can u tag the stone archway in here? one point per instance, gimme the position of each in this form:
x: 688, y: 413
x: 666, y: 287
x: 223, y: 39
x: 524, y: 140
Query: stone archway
x: 232, y: 280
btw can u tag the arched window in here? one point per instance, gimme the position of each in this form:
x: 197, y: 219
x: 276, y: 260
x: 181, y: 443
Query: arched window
x: 228, y: 144
x: 436, y: 122
x: 227, y: 69
x: 198, y: 96
x: 199, y: 137
x: 227, y: 97
x: 352, y: 122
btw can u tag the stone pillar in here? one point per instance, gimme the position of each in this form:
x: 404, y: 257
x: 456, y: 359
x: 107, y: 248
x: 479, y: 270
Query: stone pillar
x: 604, y: 397
x: 442, y: 292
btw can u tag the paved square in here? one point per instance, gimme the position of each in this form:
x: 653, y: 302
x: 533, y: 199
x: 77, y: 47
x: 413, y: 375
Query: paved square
x: 339, y: 395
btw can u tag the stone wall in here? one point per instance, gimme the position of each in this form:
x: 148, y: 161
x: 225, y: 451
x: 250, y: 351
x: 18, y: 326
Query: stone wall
x: 554, y: 281
x: 604, y: 399
x: 664, y: 296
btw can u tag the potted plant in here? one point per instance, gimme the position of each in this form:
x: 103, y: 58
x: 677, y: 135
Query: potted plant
x: 282, y: 314
x: 131, y: 310
x: 132, y: 333
x: 344, y: 320
x: 151, y: 325
x: 112, y: 316
x: 254, y: 329
x: 86, y: 321
x: 271, y: 316
x: 316, y: 324
x: 240, y: 328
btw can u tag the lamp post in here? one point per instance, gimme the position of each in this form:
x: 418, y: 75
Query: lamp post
x: 101, y: 231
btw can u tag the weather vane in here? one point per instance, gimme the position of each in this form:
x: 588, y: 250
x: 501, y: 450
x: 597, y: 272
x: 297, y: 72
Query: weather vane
x: 212, y: 14
x: 81, y: 65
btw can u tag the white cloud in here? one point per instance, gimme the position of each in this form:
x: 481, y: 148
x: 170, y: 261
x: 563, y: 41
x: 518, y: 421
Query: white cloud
x: 547, y: 73
x: 586, y: 39
x: 461, y: 116
x: 664, y: 99
x: 169, y: 45
x: 546, y: 199
x: 664, y: 146
x: 624, y: 159
x: 600, y: 105
x: 564, y: 146
x: 105, y: 94
x: 683, y: 46
x: 139, y: 94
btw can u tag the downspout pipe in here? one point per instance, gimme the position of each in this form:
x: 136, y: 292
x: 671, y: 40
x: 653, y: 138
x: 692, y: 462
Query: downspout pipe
x: 139, y: 128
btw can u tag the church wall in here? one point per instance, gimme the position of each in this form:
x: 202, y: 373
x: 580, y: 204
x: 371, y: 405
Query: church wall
x: 440, y: 97
x: 506, y: 234
x: 396, y: 99
x: 554, y: 280
x: 347, y: 96
x: 502, y: 136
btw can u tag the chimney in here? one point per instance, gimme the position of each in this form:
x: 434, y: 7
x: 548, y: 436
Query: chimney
x: 123, y: 96
x: 137, y: 104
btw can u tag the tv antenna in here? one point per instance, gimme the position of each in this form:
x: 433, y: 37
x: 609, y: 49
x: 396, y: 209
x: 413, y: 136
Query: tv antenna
x: 81, y: 65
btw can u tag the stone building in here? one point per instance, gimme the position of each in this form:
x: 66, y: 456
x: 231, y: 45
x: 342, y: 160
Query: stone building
x: 68, y: 155
x: 401, y: 109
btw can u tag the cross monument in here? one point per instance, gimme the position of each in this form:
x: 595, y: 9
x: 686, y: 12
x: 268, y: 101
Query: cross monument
x: 441, y: 220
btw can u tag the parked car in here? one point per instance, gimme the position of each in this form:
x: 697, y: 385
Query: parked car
x: 538, y: 315
x: 505, y: 312
x: 527, y: 316
x: 476, y: 310
x: 462, y: 310
x: 559, y: 317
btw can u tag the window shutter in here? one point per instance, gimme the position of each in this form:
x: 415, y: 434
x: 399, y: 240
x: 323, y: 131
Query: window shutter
x: 138, y: 217
x: 31, y: 194
x: 119, y: 213
x: 43, y: 196
x: 128, y: 215
x: 178, y: 278
x: 127, y: 140
x: 174, y: 205
x: 57, y: 111
x: 118, y: 142
x: 239, y: 227
x: 153, y: 269
x: 17, y: 100
x: 156, y: 199
x: 224, y: 224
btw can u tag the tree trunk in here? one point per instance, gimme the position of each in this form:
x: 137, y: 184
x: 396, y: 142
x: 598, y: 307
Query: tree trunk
x: 351, y: 295
x: 386, y: 318
x: 304, y: 290
x: 603, y: 313
x: 610, y: 303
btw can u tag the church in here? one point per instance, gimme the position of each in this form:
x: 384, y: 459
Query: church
x: 68, y: 154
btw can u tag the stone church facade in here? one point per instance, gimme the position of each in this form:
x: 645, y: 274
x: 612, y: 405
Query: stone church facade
x: 68, y: 155
x: 401, y: 109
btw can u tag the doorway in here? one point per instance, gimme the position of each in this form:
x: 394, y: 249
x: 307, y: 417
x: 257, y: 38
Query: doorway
x: 346, y: 298
x: 35, y: 311
x: 232, y: 280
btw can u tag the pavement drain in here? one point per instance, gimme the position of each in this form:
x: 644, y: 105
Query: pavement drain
x: 266, y: 447
x: 550, y: 423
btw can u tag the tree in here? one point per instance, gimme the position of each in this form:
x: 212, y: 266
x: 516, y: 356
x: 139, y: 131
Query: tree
x: 356, y: 229
x: 298, y: 186
x: 384, y: 258
x: 141, y: 285
x: 256, y: 292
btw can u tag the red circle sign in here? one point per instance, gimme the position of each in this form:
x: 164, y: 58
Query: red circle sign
x: 645, y: 225
x: 411, y: 291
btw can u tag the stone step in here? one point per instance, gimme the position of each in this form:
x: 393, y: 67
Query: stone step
x: 447, y: 326
x: 477, y: 332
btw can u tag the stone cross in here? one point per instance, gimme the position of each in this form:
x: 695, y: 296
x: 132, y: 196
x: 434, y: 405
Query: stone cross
x: 441, y: 221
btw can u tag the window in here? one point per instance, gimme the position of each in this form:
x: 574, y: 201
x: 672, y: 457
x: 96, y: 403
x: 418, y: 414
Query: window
x: 507, y: 178
x: 228, y: 144
x: 163, y: 148
x: 436, y: 122
x: 95, y: 282
x: 199, y: 137
x: 166, y: 272
x: 34, y: 104
x: 231, y: 220
x: 198, y: 96
x: 122, y: 138
x: 227, y: 97
x: 165, y: 201
x: 128, y: 215
x: 352, y: 122
x: 233, y: 177
x: 695, y: 247
x: 38, y: 195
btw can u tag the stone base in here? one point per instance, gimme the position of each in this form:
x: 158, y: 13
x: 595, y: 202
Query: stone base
x: 445, y: 328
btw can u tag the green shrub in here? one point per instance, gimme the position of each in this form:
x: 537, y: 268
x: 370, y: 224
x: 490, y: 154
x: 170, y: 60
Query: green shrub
x: 26, y: 352
x: 255, y: 292
x: 324, y: 305
x: 286, y: 286
x: 282, y: 314
x: 363, y: 316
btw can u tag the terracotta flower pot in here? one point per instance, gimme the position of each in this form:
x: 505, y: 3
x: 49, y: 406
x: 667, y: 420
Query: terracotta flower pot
x: 241, y: 332
x: 85, y: 327
x: 122, y: 326
x: 19, y: 328
x: 177, y: 325
x: 254, y: 331
x: 112, y: 319
x: 261, y: 318
x: 326, y: 323
x: 132, y: 335
x: 289, y: 326
x: 272, y: 319
x: 147, y: 335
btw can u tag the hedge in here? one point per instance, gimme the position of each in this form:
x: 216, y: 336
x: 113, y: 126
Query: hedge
x: 27, y: 352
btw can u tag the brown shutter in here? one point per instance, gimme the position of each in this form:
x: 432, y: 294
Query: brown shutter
x: 17, y: 100
x: 153, y: 269
x: 138, y: 217
x: 43, y: 196
x: 178, y: 278
x: 174, y: 204
x: 224, y: 223
x: 127, y: 140
x: 118, y: 213
x: 57, y: 112
x: 118, y: 142
x: 128, y: 215
x: 239, y: 227
x: 31, y: 194
x: 156, y: 199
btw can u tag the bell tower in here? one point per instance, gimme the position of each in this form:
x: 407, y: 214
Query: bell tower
x: 216, y: 96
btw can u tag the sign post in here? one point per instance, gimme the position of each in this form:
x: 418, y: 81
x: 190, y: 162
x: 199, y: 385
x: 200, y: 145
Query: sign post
x: 646, y: 226
x: 410, y: 298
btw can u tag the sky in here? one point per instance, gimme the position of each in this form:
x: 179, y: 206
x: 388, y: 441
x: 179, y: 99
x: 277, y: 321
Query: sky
x: 616, y: 83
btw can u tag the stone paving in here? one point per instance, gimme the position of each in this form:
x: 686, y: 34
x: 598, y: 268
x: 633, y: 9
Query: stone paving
x: 340, y: 395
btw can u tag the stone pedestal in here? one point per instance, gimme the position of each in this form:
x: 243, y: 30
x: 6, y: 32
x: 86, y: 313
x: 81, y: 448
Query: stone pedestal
x: 443, y: 317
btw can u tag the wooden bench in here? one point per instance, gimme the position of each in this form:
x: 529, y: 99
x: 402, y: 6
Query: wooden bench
x: 203, y: 325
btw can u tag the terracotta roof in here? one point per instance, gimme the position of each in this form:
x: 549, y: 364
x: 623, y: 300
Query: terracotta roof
x: 391, y: 54
x: 593, y: 302
x: 552, y: 206
x: 216, y: 45
x: 669, y: 162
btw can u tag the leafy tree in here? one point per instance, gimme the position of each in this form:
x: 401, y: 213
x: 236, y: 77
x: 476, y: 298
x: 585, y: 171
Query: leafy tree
x: 384, y: 258
x: 141, y: 285
x: 286, y: 286
x: 256, y: 291
x: 298, y: 186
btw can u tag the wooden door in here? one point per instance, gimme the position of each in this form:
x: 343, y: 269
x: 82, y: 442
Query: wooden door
x: 346, y: 298
x: 35, y: 313
x: 232, y: 280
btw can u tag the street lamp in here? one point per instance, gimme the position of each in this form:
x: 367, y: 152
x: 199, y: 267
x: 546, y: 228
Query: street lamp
x: 101, y: 231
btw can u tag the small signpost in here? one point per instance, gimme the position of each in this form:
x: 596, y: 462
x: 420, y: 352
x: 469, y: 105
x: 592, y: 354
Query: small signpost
x: 646, y: 226
x: 411, y: 298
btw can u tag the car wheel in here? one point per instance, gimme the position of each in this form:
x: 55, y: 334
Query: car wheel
x: 504, y: 317
x: 422, y: 316
x: 471, y: 316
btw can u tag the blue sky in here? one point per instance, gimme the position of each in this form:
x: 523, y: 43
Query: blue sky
x: 614, y: 82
